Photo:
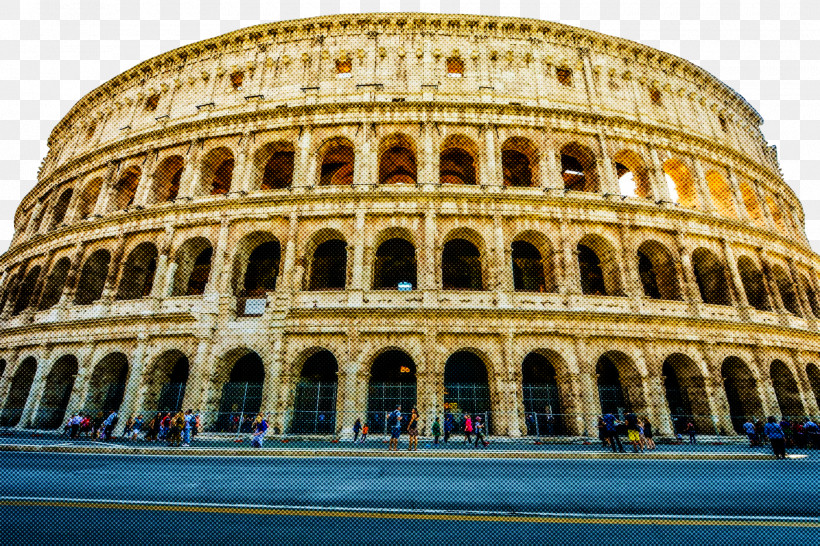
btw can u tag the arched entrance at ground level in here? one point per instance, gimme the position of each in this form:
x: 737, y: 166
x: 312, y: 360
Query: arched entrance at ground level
x: 18, y: 393
x: 392, y: 383
x: 314, y: 406
x: 57, y: 392
x: 542, y: 402
x: 685, y: 391
x: 741, y: 392
x: 620, y: 387
x: 466, y: 386
x: 241, y: 394
x: 786, y: 391
x: 107, y: 385
x: 814, y: 380
x: 165, y: 389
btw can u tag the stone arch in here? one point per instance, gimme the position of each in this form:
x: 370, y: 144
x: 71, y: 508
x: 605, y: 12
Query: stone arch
x: 92, y: 277
x: 337, y: 162
x: 126, y: 187
x: 462, y: 260
x: 786, y: 390
x: 721, y: 194
x: 519, y: 162
x: 166, y: 381
x: 193, y: 267
x: 18, y: 392
x: 598, y: 266
x: 578, y: 168
x: 457, y: 161
x: 685, y: 392
x: 167, y: 177
x: 541, y: 393
x: 55, y: 284
x: 25, y: 293
x: 682, y: 188
x: 395, y: 261
x: 217, y: 171
x: 741, y: 391
x: 397, y: 160
x: 106, y: 386
x: 138, y: 273
x: 753, y: 285
x: 314, y: 406
x: 788, y: 293
x: 239, y: 381
x: 466, y: 385
x: 620, y: 385
x: 60, y: 208
x: 813, y: 373
x: 326, y: 265
x: 273, y: 166
x: 710, y: 276
x: 656, y: 269
x: 256, y: 264
x: 57, y: 392
x: 532, y: 266
x: 633, y: 176
x: 88, y: 198
x: 392, y: 382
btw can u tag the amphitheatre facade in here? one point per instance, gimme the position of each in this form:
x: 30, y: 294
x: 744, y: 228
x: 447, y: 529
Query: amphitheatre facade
x: 322, y: 218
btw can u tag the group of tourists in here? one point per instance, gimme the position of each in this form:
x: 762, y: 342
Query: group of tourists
x: 98, y: 427
x: 177, y: 428
x: 800, y: 433
x: 638, y: 430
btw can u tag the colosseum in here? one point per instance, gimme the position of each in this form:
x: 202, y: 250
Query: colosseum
x: 322, y: 218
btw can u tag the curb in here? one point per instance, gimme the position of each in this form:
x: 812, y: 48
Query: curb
x: 334, y: 453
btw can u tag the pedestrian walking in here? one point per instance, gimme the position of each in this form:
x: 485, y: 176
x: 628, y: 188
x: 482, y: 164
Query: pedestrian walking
x: 611, y: 428
x: 749, y: 428
x: 786, y: 425
x: 760, y: 433
x: 602, y: 435
x: 394, y: 425
x: 468, y: 428
x: 799, y: 434
x: 138, y: 423
x: 690, y: 428
x: 189, y: 421
x: 777, y: 438
x: 648, y: 434
x: 357, y: 427
x: 260, y: 428
x: 109, y: 424
x: 75, y: 422
x: 531, y: 428
x: 479, y: 432
x: 129, y: 428
x: 413, y: 431
x: 175, y: 429
x: 86, y: 426
x: 449, y: 426
x: 549, y: 421
x: 365, y: 430
x: 436, y: 430
x: 633, y: 433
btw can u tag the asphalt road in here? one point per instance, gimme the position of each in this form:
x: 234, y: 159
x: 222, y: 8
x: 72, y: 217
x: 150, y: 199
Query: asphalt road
x: 60, y: 498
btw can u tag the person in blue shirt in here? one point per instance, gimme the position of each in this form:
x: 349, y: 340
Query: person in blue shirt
x: 190, y: 420
x: 260, y: 428
x: 611, y: 431
x: 777, y: 437
x: 749, y: 427
x: 394, y: 423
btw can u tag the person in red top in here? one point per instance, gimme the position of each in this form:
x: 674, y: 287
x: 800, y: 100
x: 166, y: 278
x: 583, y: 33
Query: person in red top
x: 468, y: 428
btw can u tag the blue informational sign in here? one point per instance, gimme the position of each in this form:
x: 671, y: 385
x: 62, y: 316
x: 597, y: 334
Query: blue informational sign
x: 405, y: 286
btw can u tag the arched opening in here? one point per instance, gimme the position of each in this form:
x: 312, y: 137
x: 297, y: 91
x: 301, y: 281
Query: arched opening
x: 466, y: 386
x: 60, y: 208
x: 273, y: 166
x: 88, y: 198
x: 217, y: 171
x: 741, y: 392
x: 457, y: 163
x: 788, y: 294
x: 193, y: 267
x: 598, y: 267
x: 721, y: 194
x: 811, y: 295
x: 657, y: 272
x: 710, y: 277
x: 540, y: 396
x: 106, y: 387
x: 392, y: 383
x: 138, y: 272
x: 686, y: 394
x: 126, y: 188
x: 55, y: 283
x: 680, y: 408
x: 242, y: 394
x: 611, y: 393
x: 578, y: 168
x: 167, y: 178
x: 751, y: 204
x: 92, y: 277
x: 397, y: 161
x: 165, y: 389
x: 753, y: 285
x: 328, y: 266
x: 337, y: 164
x: 528, y: 268
x: 25, y: 294
x: 814, y: 380
x: 633, y: 178
x: 314, y: 407
x: 592, y: 276
x: 18, y: 392
x: 57, y: 392
x: 774, y: 209
x: 461, y: 266
x: 262, y: 270
x: 786, y: 391
x: 519, y: 162
x: 395, y: 263
x: 680, y: 183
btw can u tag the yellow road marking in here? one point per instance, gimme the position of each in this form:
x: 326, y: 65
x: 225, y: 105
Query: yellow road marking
x: 411, y: 516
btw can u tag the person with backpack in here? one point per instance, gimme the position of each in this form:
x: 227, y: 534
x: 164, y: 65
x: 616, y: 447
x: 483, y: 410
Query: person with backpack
x: 260, y: 428
x: 749, y: 428
x: 394, y: 424
x: 777, y: 437
x: 357, y: 427
x: 478, y: 428
x: 365, y: 430
x: 611, y: 431
x: 436, y: 430
x: 468, y: 428
x: 449, y: 426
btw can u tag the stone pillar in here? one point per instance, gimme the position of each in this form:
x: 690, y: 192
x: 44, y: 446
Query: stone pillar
x: 589, y: 403
x: 490, y: 167
x: 73, y: 276
x: 690, y: 286
x: 189, y: 181
x: 740, y: 203
x: 807, y: 393
x: 218, y: 259
x: 110, y: 286
x: 572, y: 272
x: 289, y: 261
x: 765, y: 388
x: 629, y: 267
x: 42, y: 280
x: 608, y: 176
x: 764, y: 207
x: 79, y: 390
x: 35, y: 214
x: 199, y: 381
x: 428, y: 173
x: 348, y: 401
x: 133, y: 388
x: 550, y: 168
x: 501, y: 268
x: 772, y: 290
x: 660, y: 189
x: 703, y: 188
x: 243, y: 169
x: 359, y: 242
x: 146, y: 182
x: 736, y: 281
x: 107, y: 190
x: 802, y: 298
